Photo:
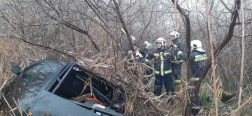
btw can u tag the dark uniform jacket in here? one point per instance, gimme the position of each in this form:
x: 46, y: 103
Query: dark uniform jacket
x: 178, y: 44
x: 128, y: 52
x: 162, y: 60
x: 141, y: 58
x: 178, y: 50
x: 198, y: 62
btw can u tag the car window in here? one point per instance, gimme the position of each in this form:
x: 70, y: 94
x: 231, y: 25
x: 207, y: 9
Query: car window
x: 29, y: 73
x: 43, y: 75
x: 48, y: 70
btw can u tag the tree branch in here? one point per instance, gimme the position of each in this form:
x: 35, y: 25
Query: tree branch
x: 70, y: 26
x: 117, y: 9
x: 47, y: 47
x: 188, y: 49
x: 228, y: 37
x: 147, y: 24
x: 225, y: 6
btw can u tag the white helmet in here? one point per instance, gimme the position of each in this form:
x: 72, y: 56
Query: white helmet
x: 162, y: 40
x: 197, y: 45
x: 133, y: 38
x: 175, y: 34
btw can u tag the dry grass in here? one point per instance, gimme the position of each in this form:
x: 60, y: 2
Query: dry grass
x: 16, y: 53
x: 138, y: 102
x: 112, y: 68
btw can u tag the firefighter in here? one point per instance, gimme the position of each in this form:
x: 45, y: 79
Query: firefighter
x: 128, y: 50
x: 147, y: 49
x: 162, y: 65
x: 148, y: 70
x: 139, y: 57
x: 198, y: 62
x: 177, y: 47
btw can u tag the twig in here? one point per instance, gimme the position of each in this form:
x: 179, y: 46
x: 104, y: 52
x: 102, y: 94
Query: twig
x: 225, y: 6
x: 175, y: 9
x: 20, y: 106
x: 9, y: 106
x: 212, y: 57
x: 212, y: 90
x: 3, y: 84
x: 12, y: 110
x: 69, y: 25
x: 242, y: 106
x: 91, y: 88
x: 26, y: 113
x: 147, y: 24
x: 46, y: 47
x: 117, y: 9
x: 242, y: 59
x: 173, y: 109
x: 17, y: 106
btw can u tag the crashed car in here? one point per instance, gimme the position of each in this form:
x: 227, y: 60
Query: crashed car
x: 49, y: 88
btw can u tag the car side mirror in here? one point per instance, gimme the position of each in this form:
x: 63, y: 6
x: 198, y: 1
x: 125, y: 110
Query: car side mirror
x: 16, y: 70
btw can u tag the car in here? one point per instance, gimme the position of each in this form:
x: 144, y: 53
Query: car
x: 61, y: 89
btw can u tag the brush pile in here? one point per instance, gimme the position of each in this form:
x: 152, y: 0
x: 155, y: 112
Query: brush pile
x: 140, y: 99
x: 130, y: 78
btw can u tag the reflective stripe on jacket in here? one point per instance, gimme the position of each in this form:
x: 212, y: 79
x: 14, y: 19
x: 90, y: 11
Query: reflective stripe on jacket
x: 162, y: 60
x: 198, y: 62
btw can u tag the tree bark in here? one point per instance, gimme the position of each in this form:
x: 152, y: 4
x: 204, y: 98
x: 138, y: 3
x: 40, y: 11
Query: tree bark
x: 188, y: 50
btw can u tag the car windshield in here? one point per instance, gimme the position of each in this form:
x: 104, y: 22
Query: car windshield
x: 42, y: 71
x: 29, y: 73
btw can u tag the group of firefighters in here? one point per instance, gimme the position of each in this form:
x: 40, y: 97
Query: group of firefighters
x: 168, y: 60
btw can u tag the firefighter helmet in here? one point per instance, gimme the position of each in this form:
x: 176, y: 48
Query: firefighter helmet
x: 175, y: 34
x: 133, y: 38
x: 197, y: 45
x: 162, y: 40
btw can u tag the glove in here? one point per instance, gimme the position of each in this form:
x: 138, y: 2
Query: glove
x: 147, y: 44
x: 138, y: 55
x: 176, y: 62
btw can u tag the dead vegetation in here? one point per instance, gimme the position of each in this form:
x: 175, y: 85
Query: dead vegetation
x: 80, y: 29
x: 138, y: 101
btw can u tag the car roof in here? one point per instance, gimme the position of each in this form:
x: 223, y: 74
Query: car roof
x: 47, y: 61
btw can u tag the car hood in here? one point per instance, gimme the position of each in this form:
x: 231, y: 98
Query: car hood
x: 49, y: 104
